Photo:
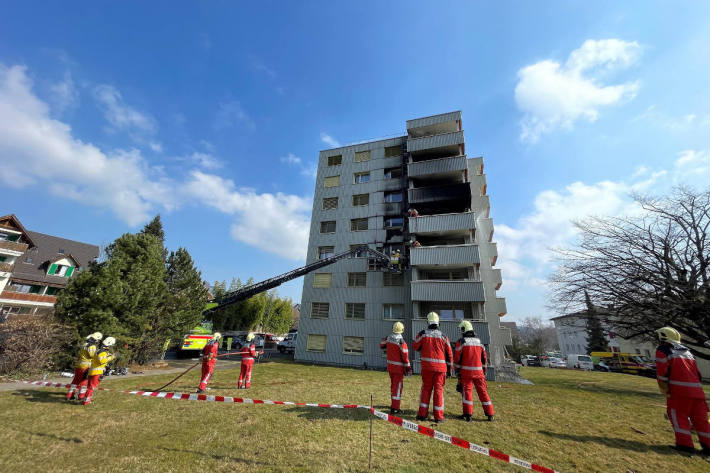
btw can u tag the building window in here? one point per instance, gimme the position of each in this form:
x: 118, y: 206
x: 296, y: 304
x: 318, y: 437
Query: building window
x: 393, y: 173
x: 392, y: 279
x: 3, y: 258
x: 393, y: 151
x: 448, y: 311
x: 394, y: 222
x: 358, y: 254
x: 361, y: 199
x: 325, y: 252
x: 354, y: 345
x: 60, y: 270
x: 357, y: 279
x: 51, y: 291
x: 316, y: 342
x: 335, y: 160
x: 330, y: 203
x: 362, y: 156
x: 61, y: 251
x: 322, y: 279
x: 358, y: 224
x: 24, y: 288
x: 362, y: 177
x: 327, y: 226
x: 445, y: 274
x: 320, y: 310
x: 355, y: 311
x: 332, y: 181
x: 391, y: 197
x: 28, y: 259
x: 393, y: 311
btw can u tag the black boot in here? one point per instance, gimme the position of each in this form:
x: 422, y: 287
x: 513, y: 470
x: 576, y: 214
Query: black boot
x: 490, y: 418
x: 439, y: 421
x: 684, y: 449
x: 421, y: 418
x: 199, y: 391
x: 465, y: 417
x: 705, y: 451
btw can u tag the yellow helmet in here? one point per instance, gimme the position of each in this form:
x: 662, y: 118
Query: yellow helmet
x: 216, y: 336
x: 466, y: 326
x: 250, y: 337
x: 432, y: 318
x: 668, y: 334
x: 398, y: 327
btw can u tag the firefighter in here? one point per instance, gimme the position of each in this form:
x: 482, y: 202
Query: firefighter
x: 82, y: 364
x: 397, y: 364
x: 101, y: 358
x: 248, y: 353
x: 437, y: 360
x: 471, y: 363
x: 209, y: 359
x: 680, y: 380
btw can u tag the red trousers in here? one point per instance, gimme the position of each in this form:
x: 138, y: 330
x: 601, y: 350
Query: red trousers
x: 682, y: 412
x: 79, y: 382
x: 93, y: 384
x: 207, y: 370
x: 432, y: 380
x: 245, y: 373
x: 467, y: 395
x: 396, y: 389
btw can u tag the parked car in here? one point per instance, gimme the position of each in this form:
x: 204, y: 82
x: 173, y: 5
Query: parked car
x: 580, y: 362
x: 288, y: 345
x: 529, y: 360
x: 557, y: 362
x: 545, y: 361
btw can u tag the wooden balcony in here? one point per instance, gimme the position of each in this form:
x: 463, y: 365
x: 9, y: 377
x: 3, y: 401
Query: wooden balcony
x: 26, y: 297
x: 13, y: 246
x: 6, y: 267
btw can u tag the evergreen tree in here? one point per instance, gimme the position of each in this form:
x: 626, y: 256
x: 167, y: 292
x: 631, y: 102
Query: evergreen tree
x: 187, y: 295
x: 155, y: 228
x: 596, y: 341
x: 281, y: 317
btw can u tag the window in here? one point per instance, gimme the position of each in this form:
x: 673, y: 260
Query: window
x: 2, y: 258
x: 60, y: 270
x: 325, y: 252
x: 393, y: 173
x: 335, y: 160
x: 332, y: 181
x: 52, y: 291
x: 446, y: 274
x: 447, y: 311
x: 24, y: 288
x: 359, y: 254
x: 330, y: 203
x: 355, y: 311
x: 327, y: 226
x: 394, y: 222
x: 393, y: 151
x: 362, y: 156
x: 358, y: 224
x: 322, y: 279
x: 392, y: 279
x: 357, y: 279
x: 393, y: 311
x: 320, y: 310
x: 61, y: 251
x: 315, y: 342
x: 362, y: 177
x: 393, y: 196
x: 28, y: 259
x: 361, y: 199
x: 354, y: 345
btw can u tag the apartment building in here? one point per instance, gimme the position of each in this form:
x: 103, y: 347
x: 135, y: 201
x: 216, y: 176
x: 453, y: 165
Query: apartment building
x: 35, y: 267
x: 418, y: 194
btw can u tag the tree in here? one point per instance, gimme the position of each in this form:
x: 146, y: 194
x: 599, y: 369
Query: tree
x: 155, y: 228
x: 645, y: 271
x: 537, y: 336
x: 596, y: 341
x: 187, y: 295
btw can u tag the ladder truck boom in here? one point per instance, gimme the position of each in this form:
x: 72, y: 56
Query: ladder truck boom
x: 248, y: 291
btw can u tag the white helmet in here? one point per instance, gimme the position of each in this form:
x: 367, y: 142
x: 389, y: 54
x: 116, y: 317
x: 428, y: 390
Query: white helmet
x: 109, y: 342
x: 250, y: 337
x: 95, y: 336
x: 432, y: 318
x: 216, y: 336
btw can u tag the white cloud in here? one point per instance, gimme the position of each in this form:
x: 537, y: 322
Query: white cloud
x: 329, y: 140
x: 671, y: 123
x: 64, y: 93
x: 291, y: 159
x: 205, y: 160
x: 230, y: 114
x: 553, y: 96
x: 120, y: 115
x: 309, y: 170
x: 156, y: 146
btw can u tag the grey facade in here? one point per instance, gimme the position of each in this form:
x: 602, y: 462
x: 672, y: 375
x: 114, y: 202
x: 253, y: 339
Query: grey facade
x: 347, y: 309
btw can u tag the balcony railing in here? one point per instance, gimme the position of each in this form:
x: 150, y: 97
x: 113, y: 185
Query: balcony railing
x: 435, y: 141
x: 425, y: 125
x: 497, y: 279
x: 449, y: 290
x: 442, y: 223
x: 26, y: 297
x: 452, y: 256
x: 6, y: 267
x: 437, y: 166
x: 13, y: 246
x: 461, y: 191
x: 502, y: 307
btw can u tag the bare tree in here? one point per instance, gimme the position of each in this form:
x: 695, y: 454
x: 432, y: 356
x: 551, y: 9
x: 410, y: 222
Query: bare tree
x: 644, y: 272
x: 537, y: 336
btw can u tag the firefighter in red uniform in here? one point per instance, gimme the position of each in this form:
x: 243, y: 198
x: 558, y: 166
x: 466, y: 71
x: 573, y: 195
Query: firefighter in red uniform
x: 680, y: 380
x: 209, y: 359
x: 397, y: 363
x: 103, y: 356
x: 471, y: 362
x: 248, y: 353
x: 436, y: 359
x: 82, y: 364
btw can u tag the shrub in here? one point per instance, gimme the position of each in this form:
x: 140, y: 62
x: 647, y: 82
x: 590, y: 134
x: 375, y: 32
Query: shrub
x: 31, y: 344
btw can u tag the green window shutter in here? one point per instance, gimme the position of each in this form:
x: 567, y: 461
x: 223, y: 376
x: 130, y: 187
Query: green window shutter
x: 69, y: 271
x: 52, y: 269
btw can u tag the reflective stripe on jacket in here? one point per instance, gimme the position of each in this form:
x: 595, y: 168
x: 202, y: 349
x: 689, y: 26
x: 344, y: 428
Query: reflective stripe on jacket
x: 99, y: 362
x: 397, y: 353
x: 86, y: 352
x: 210, y: 352
x: 248, y: 352
x: 676, y: 366
x: 470, y: 357
x: 435, y: 350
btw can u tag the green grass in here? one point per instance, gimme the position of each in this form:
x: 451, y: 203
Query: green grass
x: 570, y: 421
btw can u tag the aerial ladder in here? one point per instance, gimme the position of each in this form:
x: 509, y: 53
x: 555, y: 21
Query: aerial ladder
x: 377, y: 260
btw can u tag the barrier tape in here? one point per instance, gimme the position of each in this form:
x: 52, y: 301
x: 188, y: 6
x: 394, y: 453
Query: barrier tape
x: 405, y: 424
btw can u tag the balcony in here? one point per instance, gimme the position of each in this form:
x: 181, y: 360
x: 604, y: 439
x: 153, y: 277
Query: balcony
x: 460, y: 256
x: 460, y: 191
x: 493, y: 250
x: 502, y: 308
x: 485, y: 228
x: 442, y: 223
x: 434, y: 125
x: 12, y: 248
x: 497, y: 279
x: 452, y: 166
x: 457, y: 291
x: 445, y: 143
x: 25, y: 297
x: 6, y: 267
x: 393, y: 184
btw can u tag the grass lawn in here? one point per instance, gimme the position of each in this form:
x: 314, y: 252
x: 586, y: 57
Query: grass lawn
x: 569, y: 420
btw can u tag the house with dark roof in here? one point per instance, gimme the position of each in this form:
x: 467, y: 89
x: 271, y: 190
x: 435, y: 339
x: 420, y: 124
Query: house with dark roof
x: 35, y: 267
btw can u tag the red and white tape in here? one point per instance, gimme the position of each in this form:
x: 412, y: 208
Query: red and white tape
x: 405, y: 424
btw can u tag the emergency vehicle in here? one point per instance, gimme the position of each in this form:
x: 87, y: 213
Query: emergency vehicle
x: 631, y: 363
x: 195, y: 341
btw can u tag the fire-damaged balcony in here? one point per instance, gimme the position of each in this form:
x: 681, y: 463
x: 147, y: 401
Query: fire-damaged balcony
x: 460, y: 192
x: 12, y: 247
x: 451, y: 256
x: 442, y: 223
x: 442, y: 145
x: 459, y: 290
x: 439, y: 167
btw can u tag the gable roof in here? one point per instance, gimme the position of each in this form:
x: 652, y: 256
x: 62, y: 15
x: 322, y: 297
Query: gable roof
x: 5, y: 222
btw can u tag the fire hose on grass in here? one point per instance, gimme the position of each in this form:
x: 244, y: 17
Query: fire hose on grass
x: 191, y: 367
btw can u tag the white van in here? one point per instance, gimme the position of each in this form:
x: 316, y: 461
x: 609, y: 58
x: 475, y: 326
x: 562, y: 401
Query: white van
x: 580, y: 362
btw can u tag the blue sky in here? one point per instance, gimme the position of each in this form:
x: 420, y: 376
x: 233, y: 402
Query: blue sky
x: 212, y: 114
